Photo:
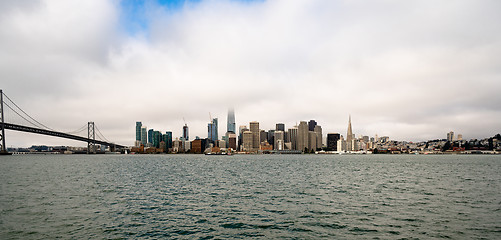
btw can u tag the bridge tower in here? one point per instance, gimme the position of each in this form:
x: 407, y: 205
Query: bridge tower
x: 91, y: 144
x: 3, y: 150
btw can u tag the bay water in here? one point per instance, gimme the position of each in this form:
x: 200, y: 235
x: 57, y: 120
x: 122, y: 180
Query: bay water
x: 250, y: 196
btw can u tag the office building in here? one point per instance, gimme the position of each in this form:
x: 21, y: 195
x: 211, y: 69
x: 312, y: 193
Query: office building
x: 318, y: 132
x: 302, y: 136
x: 280, y: 127
x: 292, y: 137
x: 278, y: 140
x: 167, y: 138
x: 144, y: 135
x: 212, y: 131
x: 248, y: 141
x: 254, y: 128
x: 312, y: 141
x: 311, y: 125
x: 150, y: 136
x: 139, y: 125
x: 186, y: 134
x: 349, y: 136
x: 332, y: 139
x: 230, y: 126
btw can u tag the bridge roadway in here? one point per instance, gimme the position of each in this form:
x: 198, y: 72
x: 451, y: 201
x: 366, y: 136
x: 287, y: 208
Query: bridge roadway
x: 57, y: 134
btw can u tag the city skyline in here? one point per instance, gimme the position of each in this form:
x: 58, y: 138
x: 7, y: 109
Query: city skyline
x: 409, y: 70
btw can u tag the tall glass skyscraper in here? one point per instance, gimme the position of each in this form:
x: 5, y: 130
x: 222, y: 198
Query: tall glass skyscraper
x: 138, y: 131
x: 186, y: 134
x: 231, y: 121
x: 212, y: 130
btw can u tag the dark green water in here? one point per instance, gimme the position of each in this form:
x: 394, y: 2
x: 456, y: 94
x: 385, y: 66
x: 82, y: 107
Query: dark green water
x: 221, y: 197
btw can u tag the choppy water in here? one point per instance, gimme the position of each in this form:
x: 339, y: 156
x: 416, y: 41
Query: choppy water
x: 288, y: 196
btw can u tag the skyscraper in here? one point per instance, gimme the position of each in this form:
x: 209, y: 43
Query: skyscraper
x: 311, y: 125
x: 293, y: 137
x: 212, y: 130
x: 279, y: 140
x: 230, y: 127
x: 302, y: 136
x: 138, y: 131
x: 332, y: 139
x: 256, y: 140
x: 144, y: 135
x: 167, y: 138
x: 186, y: 134
x: 280, y: 127
x: 349, y: 136
x: 150, y: 136
x: 318, y: 132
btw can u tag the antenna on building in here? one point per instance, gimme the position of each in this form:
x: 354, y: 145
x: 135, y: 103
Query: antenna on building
x: 184, y: 122
x: 210, y: 117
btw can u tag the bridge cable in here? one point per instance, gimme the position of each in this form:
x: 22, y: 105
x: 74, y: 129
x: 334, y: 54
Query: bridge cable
x: 20, y: 115
x: 102, y: 134
x: 25, y: 113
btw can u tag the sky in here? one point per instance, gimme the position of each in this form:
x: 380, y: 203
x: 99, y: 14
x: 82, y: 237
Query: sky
x: 411, y: 70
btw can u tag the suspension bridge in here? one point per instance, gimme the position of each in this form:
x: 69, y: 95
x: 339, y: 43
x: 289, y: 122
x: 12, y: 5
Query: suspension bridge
x: 29, y: 124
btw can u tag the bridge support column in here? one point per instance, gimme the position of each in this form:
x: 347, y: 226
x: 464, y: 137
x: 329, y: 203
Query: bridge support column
x: 91, y: 144
x: 3, y: 149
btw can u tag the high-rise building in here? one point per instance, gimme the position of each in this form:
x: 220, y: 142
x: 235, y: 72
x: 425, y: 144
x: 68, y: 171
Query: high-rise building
x: 167, y: 138
x: 230, y: 127
x: 156, y: 139
x: 332, y: 139
x: 292, y: 137
x: 247, y: 142
x: 254, y: 128
x: 144, y: 135
x: 349, y: 136
x: 138, y: 131
x: 232, y: 141
x: 241, y: 131
x: 150, y: 135
x: 263, y: 135
x: 318, y: 132
x: 312, y: 141
x: 279, y: 140
x: 212, y: 130
x: 460, y: 137
x: 450, y: 136
x: 302, y: 136
x: 186, y: 134
x: 311, y: 125
x: 280, y: 127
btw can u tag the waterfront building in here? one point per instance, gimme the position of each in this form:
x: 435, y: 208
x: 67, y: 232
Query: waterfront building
x: 150, y: 136
x: 212, y: 130
x: 280, y: 127
x: 247, y: 142
x: 167, y: 138
x: 144, y: 135
x: 311, y: 125
x: 186, y: 134
x: 278, y: 140
x: 318, y: 132
x: 302, y: 136
x: 139, y: 125
x: 156, y: 139
x: 230, y: 126
x: 312, y: 141
x: 292, y: 137
x: 232, y: 141
x: 341, y: 145
x: 263, y: 135
x: 332, y: 139
x: 349, y: 136
x: 270, y: 137
x: 241, y: 130
x: 460, y: 137
x: 254, y: 128
x: 450, y: 136
x: 221, y: 143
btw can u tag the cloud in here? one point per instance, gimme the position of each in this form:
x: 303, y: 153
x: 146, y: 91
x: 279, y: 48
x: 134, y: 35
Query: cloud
x: 410, y: 70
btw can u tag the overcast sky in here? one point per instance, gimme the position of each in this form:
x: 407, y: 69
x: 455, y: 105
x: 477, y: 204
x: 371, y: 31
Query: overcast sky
x: 411, y: 70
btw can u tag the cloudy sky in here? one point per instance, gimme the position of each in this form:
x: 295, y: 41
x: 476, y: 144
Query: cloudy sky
x: 411, y: 70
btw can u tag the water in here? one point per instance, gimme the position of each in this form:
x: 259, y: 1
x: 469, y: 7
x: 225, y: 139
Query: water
x: 256, y: 196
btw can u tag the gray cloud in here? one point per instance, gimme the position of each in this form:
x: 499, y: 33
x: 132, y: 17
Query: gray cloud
x: 408, y: 69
